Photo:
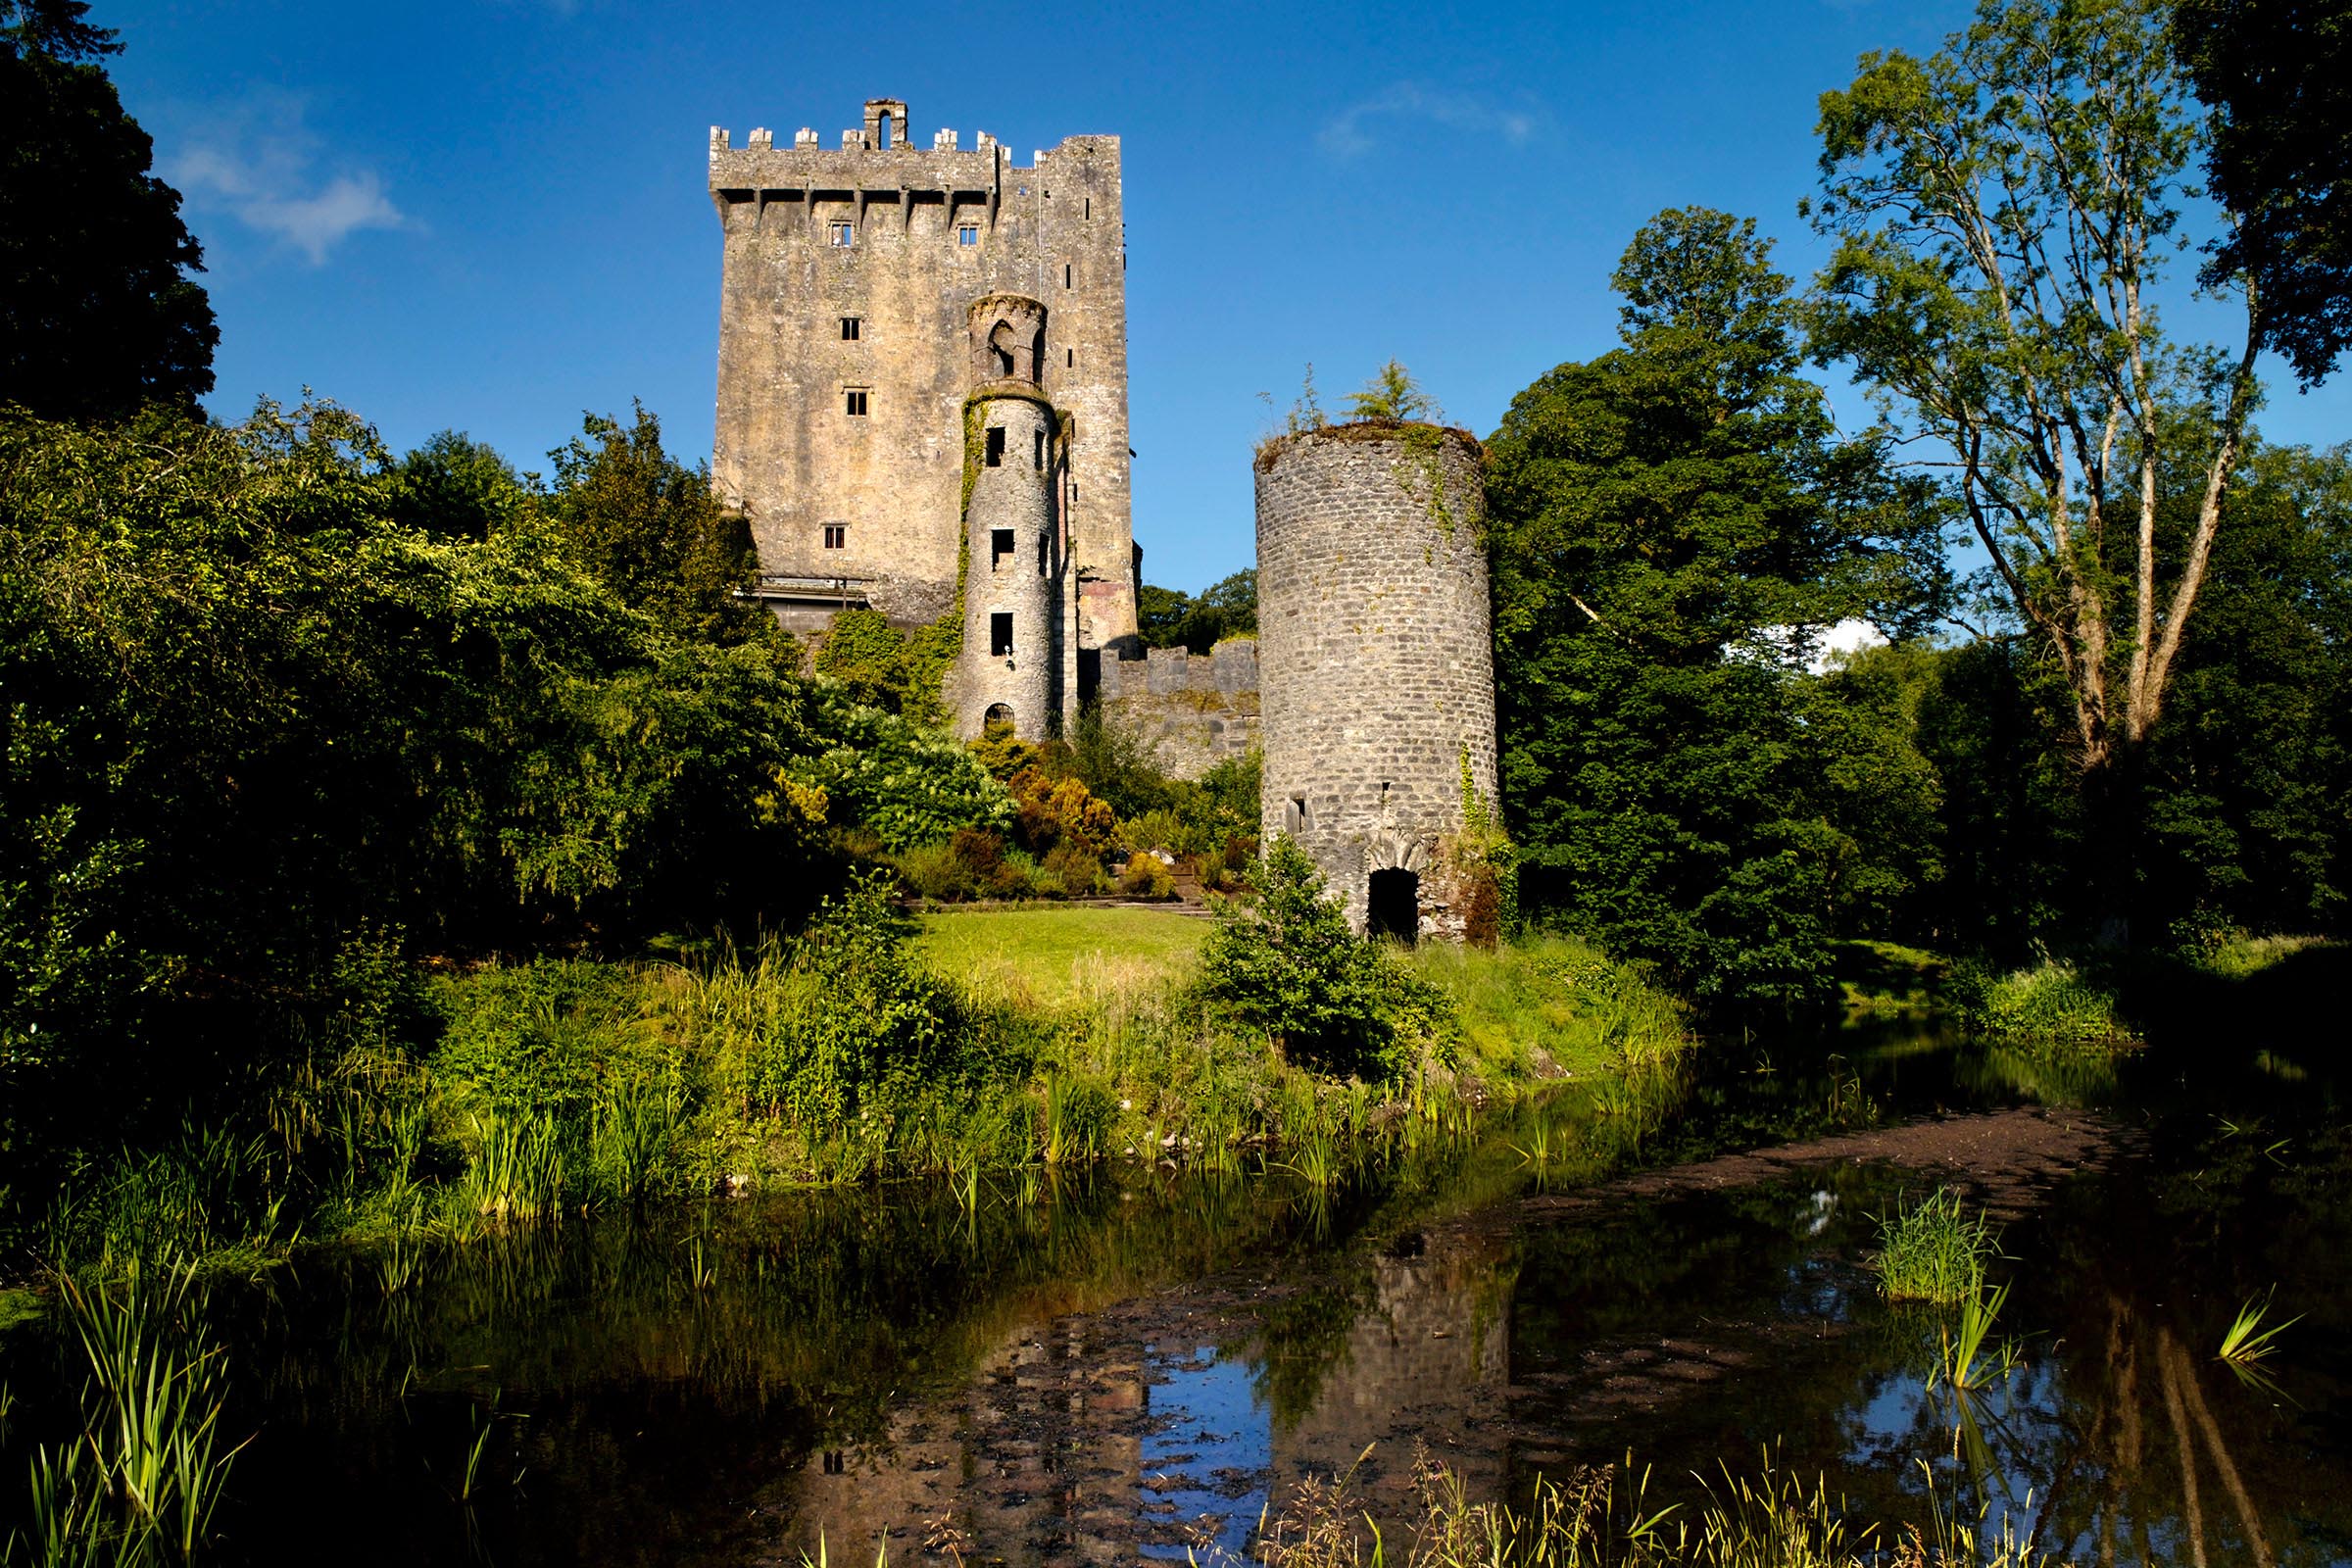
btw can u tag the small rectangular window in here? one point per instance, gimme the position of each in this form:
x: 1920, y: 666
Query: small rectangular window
x: 967, y: 234
x: 1037, y: 457
x: 854, y: 403
x: 1066, y: 274
x: 1293, y: 820
x: 838, y: 235
x: 1000, y: 545
x: 1069, y: 357
x: 849, y: 329
x: 1090, y: 206
x: 995, y: 456
x: 1045, y: 553
x: 837, y: 535
x: 1000, y: 634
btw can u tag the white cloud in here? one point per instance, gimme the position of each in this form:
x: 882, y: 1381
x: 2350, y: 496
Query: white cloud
x: 257, y: 160
x: 1351, y: 131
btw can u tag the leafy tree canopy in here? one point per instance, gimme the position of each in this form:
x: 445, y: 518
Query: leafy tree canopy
x: 2276, y: 75
x: 1168, y: 617
x: 1673, y: 526
x: 98, y: 314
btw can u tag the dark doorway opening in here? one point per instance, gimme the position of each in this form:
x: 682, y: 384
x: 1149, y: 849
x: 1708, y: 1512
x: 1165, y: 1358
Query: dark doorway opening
x: 1393, y: 906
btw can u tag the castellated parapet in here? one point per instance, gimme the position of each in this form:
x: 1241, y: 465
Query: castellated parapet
x: 1376, y: 662
x: 849, y: 278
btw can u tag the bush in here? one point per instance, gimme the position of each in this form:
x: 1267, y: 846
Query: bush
x: 905, y: 784
x: 2051, y: 1001
x: 1147, y: 876
x: 1292, y: 968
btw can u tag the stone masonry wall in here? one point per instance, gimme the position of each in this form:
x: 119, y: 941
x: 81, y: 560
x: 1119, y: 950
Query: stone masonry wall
x: 1012, y: 504
x: 1375, y: 657
x: 929, y: 229
x: 1190, y: 710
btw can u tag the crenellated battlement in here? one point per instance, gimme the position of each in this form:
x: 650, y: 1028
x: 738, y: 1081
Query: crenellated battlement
x: 881, y: 153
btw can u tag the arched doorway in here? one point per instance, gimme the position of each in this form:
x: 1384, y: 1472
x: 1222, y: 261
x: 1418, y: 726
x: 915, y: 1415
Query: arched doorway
x: 997, y: 716
x: 1393, y: 906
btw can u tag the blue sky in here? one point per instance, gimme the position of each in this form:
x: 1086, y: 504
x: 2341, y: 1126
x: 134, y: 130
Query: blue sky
x: 492, y: 216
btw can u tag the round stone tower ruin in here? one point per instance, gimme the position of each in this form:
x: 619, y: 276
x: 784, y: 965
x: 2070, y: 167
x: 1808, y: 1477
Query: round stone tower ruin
x: 1376, y: 666
x: 1013, y: 568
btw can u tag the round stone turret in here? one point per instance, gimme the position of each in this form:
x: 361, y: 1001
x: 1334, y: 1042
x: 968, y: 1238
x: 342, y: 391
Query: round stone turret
x: 1013, y: 572
x: 1376, y: 663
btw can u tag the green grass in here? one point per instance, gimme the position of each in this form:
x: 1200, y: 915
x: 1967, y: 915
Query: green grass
x: 1932, y: 1250
x: 2052, y: 1003
x: 1543, y: 1006
x: 1062, y: 957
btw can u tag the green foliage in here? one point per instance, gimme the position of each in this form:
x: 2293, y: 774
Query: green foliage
x: 1543, y: 1005
x: 1932, y: 1250
x: 905, y: 784
x: 648, y: 527
x: 1673, y: 524
x: 1167, y: 618
x: 455, y: 487
x: 251, y: 723
x: 2276, y: 75
x: 102, y: 316
x: 2050, y: 1001
x: 1391, y: 394
x: 2003, y: 211
x: 1289, y: 966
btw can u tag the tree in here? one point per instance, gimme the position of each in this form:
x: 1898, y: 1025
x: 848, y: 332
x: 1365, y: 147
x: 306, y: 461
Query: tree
x: 1673, y: 526
x: 2276, y: 75
x: 1167, y: 617
x: 98, y: 314
x: 2003, y: 210
x: 1390, y: 394
x: 649, y: 528
x: 455, y: 487
x: 1291, y: 967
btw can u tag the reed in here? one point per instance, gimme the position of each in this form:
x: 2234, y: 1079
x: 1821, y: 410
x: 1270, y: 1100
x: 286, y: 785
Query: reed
x: 2247, y: 1342
x: 1932, y: 1252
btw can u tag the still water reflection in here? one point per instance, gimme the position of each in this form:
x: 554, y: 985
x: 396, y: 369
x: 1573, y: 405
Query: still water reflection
x: 1132, y: 1365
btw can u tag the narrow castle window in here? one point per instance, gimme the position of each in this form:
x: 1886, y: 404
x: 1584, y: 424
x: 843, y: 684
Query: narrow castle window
x: 836, y: 537
x: 1000, y: 634
x: 1045, y: 552
x: 838, y: 236
x: 1066, y: 274
x: 1090, y: 206
x: 1293, y: 816
x: 1069, y: 357
x: 1000, y: 545
x: 884, y: 127
x: 854, y: 403
x: 849, y: 329
x: 967, y: 234
x: 995, y: 456
x: 1037, y: 456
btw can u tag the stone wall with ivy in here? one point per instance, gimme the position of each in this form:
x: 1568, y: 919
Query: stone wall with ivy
x: 1189, y: 710
x: 1375, y: 657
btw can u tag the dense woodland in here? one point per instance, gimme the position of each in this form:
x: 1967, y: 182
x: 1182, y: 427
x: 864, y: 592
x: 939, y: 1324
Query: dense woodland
x: 288, y: 720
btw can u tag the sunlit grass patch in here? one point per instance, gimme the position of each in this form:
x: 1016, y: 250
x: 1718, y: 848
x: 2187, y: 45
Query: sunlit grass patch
x: 1062, y: 957
x: 1544, y: 1006
x: 2052, y: 1003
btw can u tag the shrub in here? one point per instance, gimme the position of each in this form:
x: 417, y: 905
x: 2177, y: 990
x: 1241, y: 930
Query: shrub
x: 1050, y: 810
x: 1078, y: 871
x: 2051, y: 1001
x: 1292, y: 968
x: 1146, y: 876
x: 905, y: 784
x: 1161, y: 829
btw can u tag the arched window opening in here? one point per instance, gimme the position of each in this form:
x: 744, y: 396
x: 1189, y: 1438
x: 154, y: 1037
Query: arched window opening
x: 998, y: 717
x: 1393, y: 906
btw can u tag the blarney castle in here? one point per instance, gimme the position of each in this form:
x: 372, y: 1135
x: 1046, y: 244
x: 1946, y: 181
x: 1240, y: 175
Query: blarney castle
x: 922, y: 411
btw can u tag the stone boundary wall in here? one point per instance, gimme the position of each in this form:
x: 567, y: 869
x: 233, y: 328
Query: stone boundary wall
x: 1190, y: 710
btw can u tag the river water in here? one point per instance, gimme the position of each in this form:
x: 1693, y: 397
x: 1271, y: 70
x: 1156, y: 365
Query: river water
x: 1118, y: 1367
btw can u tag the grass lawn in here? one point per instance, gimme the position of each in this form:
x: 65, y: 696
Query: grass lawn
x: 1060, y: 957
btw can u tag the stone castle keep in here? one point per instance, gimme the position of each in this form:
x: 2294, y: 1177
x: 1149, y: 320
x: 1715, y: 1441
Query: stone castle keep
x: 908, y: 332
x: 923, y: 403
